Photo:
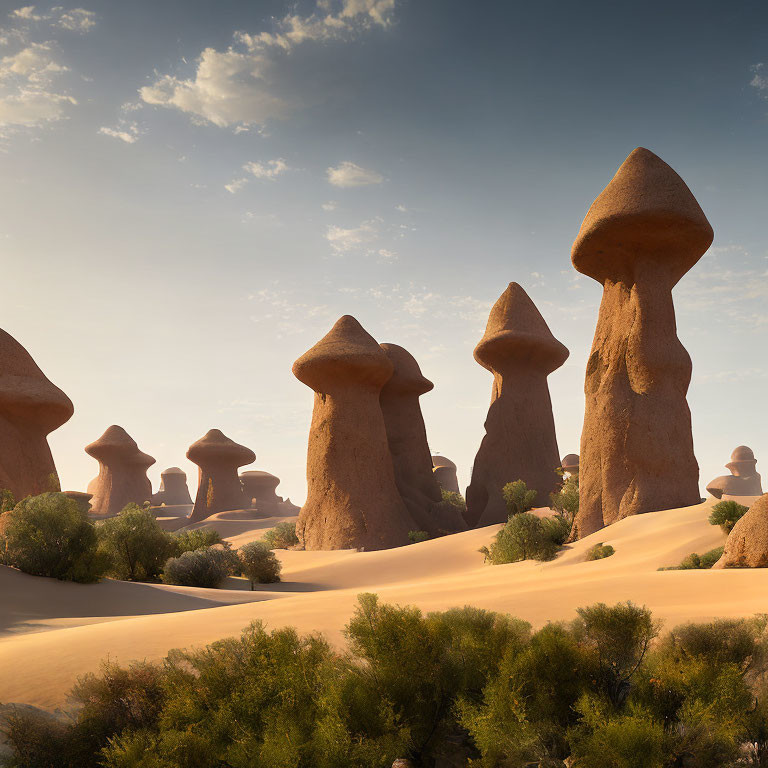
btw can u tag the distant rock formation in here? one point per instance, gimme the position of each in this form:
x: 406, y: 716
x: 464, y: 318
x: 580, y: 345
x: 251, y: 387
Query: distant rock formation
x: 173, y: 489
x: 219, y: 486
x: 407, y: 438
x: 31, y: 407
x: 519, y: 444
x: 352, y: 498
x: 259, y: 491
x: 83, y: 500
x: 444, y: 471
x: 570, y: 463
x: 641, y: 235
x: 744, y: 479
x: 747, y: 543
x: 122, y: 477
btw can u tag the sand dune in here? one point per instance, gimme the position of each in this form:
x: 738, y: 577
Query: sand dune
x: 320, y: 590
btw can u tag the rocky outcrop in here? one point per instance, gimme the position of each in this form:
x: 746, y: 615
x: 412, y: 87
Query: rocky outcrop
x: 259, y: 490
x: 352, y: 498
x: 444, y: 471
x: 31, y: 407
x: 122, y: 477
x: 408, y: 447
x: 744, y: 479
x: 641, y: 235
x: 747, y: 543
x: 519, y: 444
x: 570, y: 464
x: 173, y: 489
x: 219, y: 486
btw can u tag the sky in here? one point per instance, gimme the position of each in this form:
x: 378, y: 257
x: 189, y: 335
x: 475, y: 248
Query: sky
x: 191, y: 193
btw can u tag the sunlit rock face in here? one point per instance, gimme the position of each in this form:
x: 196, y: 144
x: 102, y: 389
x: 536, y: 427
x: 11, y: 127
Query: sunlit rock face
x: 173, y: 490
x: 747, y: 544
x: 744, y: 479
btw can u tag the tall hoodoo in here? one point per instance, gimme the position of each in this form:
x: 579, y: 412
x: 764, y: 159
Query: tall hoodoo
x: 352, y: 498
x: 219, y: 486
x: 641, y: 235
x: 173, y: 489
x: 744, y: 479
x: 122, y: 477
x: 31, y: 407
x: 259, y: 490
x: 407, y: 438
x: 519, y: 444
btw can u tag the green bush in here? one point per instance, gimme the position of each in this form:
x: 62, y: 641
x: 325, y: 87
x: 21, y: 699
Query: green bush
x: 7, y: 501
x: 557, y: 528
x: 199, y: 538
x: 518, y: 498
x: 456, y: 499
x: 49, y: 535
x: 199, y: 568
x: 136, y: 545
x: 695, y: 561
x: 258, y: 563
x: 523, y: 537
x: 566, y: 500
x: 282, y: 536
x: 416, y: 536
x: 726, y: 514
x: 600, y: 551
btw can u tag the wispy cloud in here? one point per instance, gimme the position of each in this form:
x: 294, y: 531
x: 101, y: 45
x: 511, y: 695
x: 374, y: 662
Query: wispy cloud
x: 129, y: 133
x: 269, y: 170
x: 74, y: 20
x: 348, y: 174
x: 343, y: 240
x: 759, y: 78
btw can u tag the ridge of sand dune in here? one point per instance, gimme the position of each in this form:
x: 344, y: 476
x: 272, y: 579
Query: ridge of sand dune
x: 239, y: 527
x: 320, y: 589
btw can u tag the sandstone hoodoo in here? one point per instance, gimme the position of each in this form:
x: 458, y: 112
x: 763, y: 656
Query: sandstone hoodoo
x: 407, y: 438
x: 747, y: 544
x: 444, y: 471
x: 173, y: 489
x: 519, y: 444
x: 219, y: 486
x: 122, y: 477
x: 352, y: 498
x: 641, y: 235
x: 259, y: 491
x: 31, y: 407
x: 570, y: 464
x: 744, y: 479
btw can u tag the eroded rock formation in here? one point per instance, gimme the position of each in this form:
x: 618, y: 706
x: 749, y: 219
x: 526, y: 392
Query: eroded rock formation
x: 407, y: 438
x: 173, y: 489
x: 747, y: 544
x: 641, y: 235
x: 444, y: 471
x: 31, y: 407
x: 744, y: 479
x: 352, y: 498
x: 519, y: 444
x: 259, y: 489
x: 219, y: 486
x: 570, y: 463
x: 122, y: 477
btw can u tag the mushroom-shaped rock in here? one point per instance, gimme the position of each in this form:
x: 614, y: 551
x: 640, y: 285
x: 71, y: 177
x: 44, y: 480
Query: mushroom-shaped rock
x: 641, y: 235
x: 570, y: 463
x: 519, y: 444
x: 259, y: 491
x: 444, y: 471
x: 122, y: 477
x: 219, y: 486
x: 747, y: 543
x: 744, y: 479
x: 352, y: 498
x: 173, y: 489
x: 407, y: 438
x: 31, y: 407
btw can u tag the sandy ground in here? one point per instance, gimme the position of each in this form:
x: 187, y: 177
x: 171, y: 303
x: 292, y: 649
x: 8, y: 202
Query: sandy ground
x: 52, y: 632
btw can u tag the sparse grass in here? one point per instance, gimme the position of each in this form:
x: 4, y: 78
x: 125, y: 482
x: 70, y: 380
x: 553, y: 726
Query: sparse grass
x: 600, y: 551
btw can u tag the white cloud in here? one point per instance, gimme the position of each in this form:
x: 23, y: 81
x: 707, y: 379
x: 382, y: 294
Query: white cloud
x: 269, y: 170
x: 348, y: 174
x: 75, y: 20
x: 236, y: 87
x: 345, y: 240
x: 236, y: 185
x: 387, y: 256
x: 760, y: 78
x: 401, y: 208
x: 27, y: 13
x: 331, y: 205
x: 129, y: 134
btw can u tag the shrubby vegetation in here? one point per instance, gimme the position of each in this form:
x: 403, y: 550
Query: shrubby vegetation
x: 600, y: 551
x: 726, y: 514
x: 416, y: 536
x: 451, y: 497
x: 199, y: 538
x: 523, y: 537
x: 566, y: 500
x: 207, y: 567
x: 258, y: 563
x: 461, y: 687
x: 518, y: 497
x: 695, y: 561
x: 282, y: 536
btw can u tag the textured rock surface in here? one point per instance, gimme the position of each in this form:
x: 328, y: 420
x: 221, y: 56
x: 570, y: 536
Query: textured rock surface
x: 122, y: 477
x: 173, y: 488
x: 218, y: 488
x: 31, y: 407
x: 641, y: 235
x: 407, y: 438
x: 747, y: 544
x: 259, y: 489
x: 744, y: 479
x: 519, y: 444
x: 444, y: 471
x: 570, y: 463
x: 352, y: 498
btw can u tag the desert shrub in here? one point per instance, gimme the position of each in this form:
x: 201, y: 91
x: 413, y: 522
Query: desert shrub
x: 518, y: 497
x: 199, y: 568
x: 696, y: 561
x: 258, y: 563
x: 600, y: 551
x: 726, y: 514
x: 416, y: 536
x: 451, y: 497
x: 282, y: 536
x: 7, y: 501
x: 136, y: 545
x: 557, y: 528
x: 523, y: 537
x: 199, y: 538
x: 48, y: 535
x: 565, y: 501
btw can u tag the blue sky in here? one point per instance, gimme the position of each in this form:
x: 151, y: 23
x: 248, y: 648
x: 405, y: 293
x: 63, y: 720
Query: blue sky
x: 191, y: 193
